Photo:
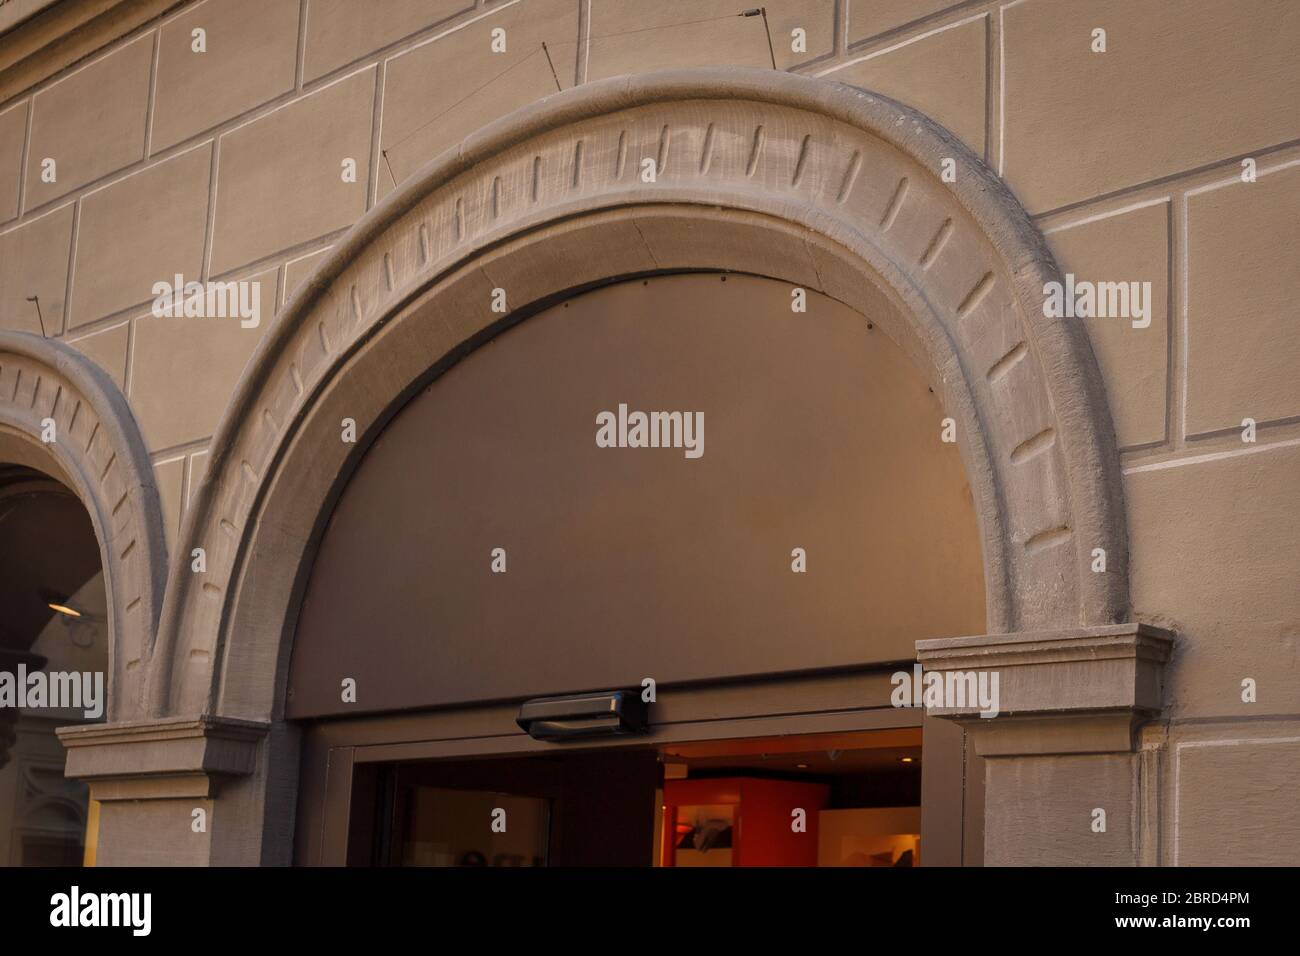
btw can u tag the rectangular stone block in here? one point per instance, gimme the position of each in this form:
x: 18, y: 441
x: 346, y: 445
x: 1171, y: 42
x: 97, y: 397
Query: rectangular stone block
x: 1040, y: 811
x: 250, y: 55
x: 425, y: 114
x: 869, y: 18
x: 1236, y: 802
x: 672, y: 34
x: 108, y: 349
x: 1243, y: 350
x: 185, y: 369
x: 34, y: 262
x: 91, y: 122
x: 296, y: 270
x: 170, y: 474
x: 341, y: 31
x: 280, y: 177
x: 166, y: 207
x: 198, y: 468
x: 13, y: 130
x: 1214, y: 547
x: 1179, y: 86
x: 1112, y: 669
x: 128, y: 832
x: 1127, y: 247
x: 942, y: 74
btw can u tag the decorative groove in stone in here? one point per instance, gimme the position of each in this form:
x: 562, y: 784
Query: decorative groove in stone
x: 802, y: 161
x: 706, y: 153
x: 756, y: 150
x: 424, y: 248
x: 1005, y: 364
x: 895, y: 204
x: 354, y: 300
x: 976, y: 295
x: 1048, y: 538
x: 537, y: 176
x: 936, y: 244
x: 576, y: 181
x: 620, y: 158
x: 850, y: 177
x: 1033, y: 447
x: 665, y: 140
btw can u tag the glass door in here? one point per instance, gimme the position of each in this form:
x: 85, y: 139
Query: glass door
x: 569, y: 809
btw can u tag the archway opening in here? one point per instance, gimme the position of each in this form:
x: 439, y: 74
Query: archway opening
x: 724, y: 489
x: 54, y: 639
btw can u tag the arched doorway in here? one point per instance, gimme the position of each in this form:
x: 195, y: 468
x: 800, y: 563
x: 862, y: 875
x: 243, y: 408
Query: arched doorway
x: 81, y: 539
x: 817, y: 185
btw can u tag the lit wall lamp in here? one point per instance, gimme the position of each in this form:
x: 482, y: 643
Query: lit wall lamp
x: 79, y: 622
x: 63, y: 609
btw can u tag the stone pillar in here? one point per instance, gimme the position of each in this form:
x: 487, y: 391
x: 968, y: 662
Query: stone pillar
x: 1061, y: 759
x: 151, y: 776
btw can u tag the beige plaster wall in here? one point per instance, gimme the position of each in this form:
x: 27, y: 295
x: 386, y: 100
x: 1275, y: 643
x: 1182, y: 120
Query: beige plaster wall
x: 227, y: 164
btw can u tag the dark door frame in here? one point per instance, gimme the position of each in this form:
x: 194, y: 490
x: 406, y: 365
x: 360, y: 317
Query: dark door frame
x: 834, y: 701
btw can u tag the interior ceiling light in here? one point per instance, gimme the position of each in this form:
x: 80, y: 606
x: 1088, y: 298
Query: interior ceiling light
x: 63, y: 609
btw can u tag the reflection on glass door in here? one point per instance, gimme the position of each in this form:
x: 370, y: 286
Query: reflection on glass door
x: 563, y: 808
x: 446, y: 827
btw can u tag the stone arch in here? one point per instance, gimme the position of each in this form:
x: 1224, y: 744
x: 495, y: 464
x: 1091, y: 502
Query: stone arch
x: 99, y: 453
x: 803, y: 180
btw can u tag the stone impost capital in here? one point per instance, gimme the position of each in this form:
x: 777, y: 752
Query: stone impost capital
x: 1078, y: 691
x: 160, y: 759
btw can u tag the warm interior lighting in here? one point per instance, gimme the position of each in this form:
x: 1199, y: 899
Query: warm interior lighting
x: 64, y: 609
x: 906, y: 759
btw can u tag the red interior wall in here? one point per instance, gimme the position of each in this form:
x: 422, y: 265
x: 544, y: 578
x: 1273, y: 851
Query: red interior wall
x: 763, y: 834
